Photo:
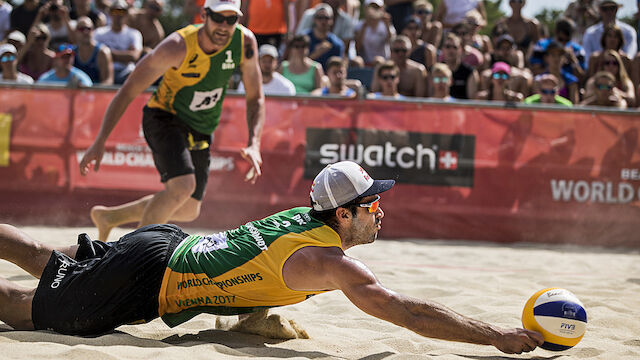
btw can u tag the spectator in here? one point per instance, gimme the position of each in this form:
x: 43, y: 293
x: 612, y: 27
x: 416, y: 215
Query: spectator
x: 482, y: 43
x: 547, y: 92
x: 388, y: 75
x: 103, y: 7
x: 585, y: 14
x: 499, y: 87
x: 146, y: 21
x: 269, y: 20
x: 505, y: 51
x: 305, y: 74
x: 56, y: 16
x: 36, y: 58
x: 63, y: 71
x: 337, y: 74
x: 82, y: 8
x: 399, y: 10
x: 323, y: 44
x: 471, y: 56
x: 421, y: 52
x: 512, y: 55
x: 9, y: 66
x: 273, y: 83
x: 451, y: 12
x: 593, y: 35
x: 525, y: 31
x: 605, y: 93
x: 92, y: 58
x: 125, y: 43
x: 374, y: 33
x: 554, y: 59
x: 413, y: 75
x: 440, y: 82
x: 464, y: 79
x: 635, y: 76
x: 341, y: 22
x: 22, y: 16
x: 5, y: 19
x: 17, y: 39
x: 431, y: 29
x: 574, y: 62
x: 612, y: 39
x: 612, y: 63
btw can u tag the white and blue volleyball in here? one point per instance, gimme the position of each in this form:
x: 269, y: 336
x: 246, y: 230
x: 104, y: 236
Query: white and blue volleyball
x: 558, y: 315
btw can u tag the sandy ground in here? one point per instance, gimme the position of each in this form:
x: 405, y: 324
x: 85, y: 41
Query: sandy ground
x: 489, y: 282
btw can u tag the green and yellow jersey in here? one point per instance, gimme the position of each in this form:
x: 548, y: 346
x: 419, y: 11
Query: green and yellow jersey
x: 194, y: 91
x: 240, y: 270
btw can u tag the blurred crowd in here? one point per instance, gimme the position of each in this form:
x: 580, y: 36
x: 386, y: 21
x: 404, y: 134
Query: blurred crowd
x: 350, y: 48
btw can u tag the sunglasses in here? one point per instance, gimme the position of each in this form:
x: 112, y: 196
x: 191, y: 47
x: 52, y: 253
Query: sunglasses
x: 7, y: 58
x: 517, y: 1
x: 499, y: 76
x: 450, y: 47
x: 423, y: 12
x: 41, y: 37
x: 84, y: 28
x: 322, y: 17
x: 64, y: 47
x: 611, y: 62
x: 399, y: 50
x: 373, y: 206
x: 440, y: 80
x: 298, y: 46
x: 604, y: 87
x: 219, y: 18
x: 118, y: 12
x: 388, y: 77
x: 548, y: 91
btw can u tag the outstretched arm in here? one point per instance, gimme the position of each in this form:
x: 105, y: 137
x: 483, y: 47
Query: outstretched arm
x: 252, y: 80
x: 169, y: 53
x: 316, y: 268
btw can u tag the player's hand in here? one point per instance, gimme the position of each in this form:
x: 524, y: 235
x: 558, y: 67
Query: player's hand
x: 93, y: 155
x: 252, y: 155
x: 516, y: 341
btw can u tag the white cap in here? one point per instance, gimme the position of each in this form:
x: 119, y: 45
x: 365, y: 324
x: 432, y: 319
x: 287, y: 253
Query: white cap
x: 339, y: 183
x: 323, y: 6
x: 17, y: 36
x: 377, y: 2
x: 7, y: 48
x: 223, y: 5
x: 268, y: 49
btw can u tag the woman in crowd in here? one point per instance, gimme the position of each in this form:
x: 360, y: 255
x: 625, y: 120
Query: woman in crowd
x: 374, y: 33
x: 612, y: 63
x: 304, y: 73
x: 35, y: 58
x: 451, y: 12
x: 612, y: 39
x: 482, y: 43
x: 554, y: 58
x: 499, y: 86
x: 605, y: 92
x: 431, y: 29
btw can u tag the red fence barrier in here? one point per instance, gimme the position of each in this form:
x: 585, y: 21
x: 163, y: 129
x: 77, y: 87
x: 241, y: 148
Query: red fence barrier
x: 464, y: 172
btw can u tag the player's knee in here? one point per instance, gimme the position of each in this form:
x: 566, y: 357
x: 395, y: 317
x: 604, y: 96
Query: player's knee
x: 182, y: 187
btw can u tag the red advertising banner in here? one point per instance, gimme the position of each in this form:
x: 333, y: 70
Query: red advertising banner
x: 482, y: 173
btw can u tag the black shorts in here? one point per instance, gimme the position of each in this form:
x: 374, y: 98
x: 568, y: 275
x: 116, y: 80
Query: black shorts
x: 108, y: 285
x: 177, y: 149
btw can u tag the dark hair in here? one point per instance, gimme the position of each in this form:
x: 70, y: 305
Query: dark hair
x: 388, y: 65
x: 617, y: 31
x: 300, y: 38
x: 335, y: 61
x: 329, y: 216
x: 565, y: 26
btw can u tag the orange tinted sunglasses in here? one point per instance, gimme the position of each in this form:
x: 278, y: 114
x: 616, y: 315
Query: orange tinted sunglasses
x: 373, y: 206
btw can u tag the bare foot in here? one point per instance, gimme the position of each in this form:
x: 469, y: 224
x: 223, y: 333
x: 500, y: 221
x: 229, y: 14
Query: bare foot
x: 100, y: 217
x: 273, y: 326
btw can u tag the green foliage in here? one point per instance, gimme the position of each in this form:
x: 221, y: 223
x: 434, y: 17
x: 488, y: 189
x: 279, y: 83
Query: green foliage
x: 548, y: 18
x: 494, y: 14
x: 173, y: 17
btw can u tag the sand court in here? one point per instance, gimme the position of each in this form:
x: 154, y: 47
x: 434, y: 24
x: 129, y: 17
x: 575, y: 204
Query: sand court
x: 486, y: 281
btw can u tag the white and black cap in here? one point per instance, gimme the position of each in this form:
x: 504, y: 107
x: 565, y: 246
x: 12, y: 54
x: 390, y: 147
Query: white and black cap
x: 342, y: 182
x: 223, y: 5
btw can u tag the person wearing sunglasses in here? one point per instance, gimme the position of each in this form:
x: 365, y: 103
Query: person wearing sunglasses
x: 388, y: 75
x: 412, y: 75
x: 283, y: 259
x: 323, y: 43
x: 613, y: 64
x: 612, y: 39
x: 605, y: 92
x: 63, y: 71
x: 593, y: 35
x: 554, y: 58
x: 9, y: 66
x: 195, y: 64
x: 464, y: 78
x: 499, y: 86
x: 305, y: 74
x: 146, y: 20
x: 124, y: 41
x: 440, y: 81
x: 431, y: 29
x: 91, y: 57
x: 546, y: 87
x: 36, y: 58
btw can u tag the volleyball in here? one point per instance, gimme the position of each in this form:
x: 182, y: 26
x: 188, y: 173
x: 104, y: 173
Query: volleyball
x: 558, y: 315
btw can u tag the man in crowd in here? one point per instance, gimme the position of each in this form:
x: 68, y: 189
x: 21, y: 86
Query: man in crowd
x: 342, y: 25
x: 388, y: 75
x: 323, y: 43
x: 546, y: 87
x: 465, y: 79
x: 296, y: 253
x: 125, y: 42
x: 413, y: 75
x: 575, y: 60
x: 63, y: 70
x: 178, y: 122
x: 337, y: 74
x: 273, y: 83
x: 608, y: 12
x: 146, y: 20
x: 92, y: 58
x: 9, y: 66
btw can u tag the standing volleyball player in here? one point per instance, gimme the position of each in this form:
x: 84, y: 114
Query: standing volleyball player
x: 196, y: 63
